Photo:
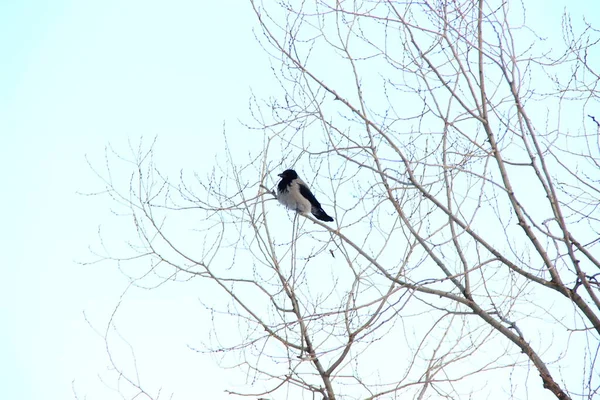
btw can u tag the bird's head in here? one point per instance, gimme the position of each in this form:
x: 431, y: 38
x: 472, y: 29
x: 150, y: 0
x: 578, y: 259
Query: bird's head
x: 288, y: 174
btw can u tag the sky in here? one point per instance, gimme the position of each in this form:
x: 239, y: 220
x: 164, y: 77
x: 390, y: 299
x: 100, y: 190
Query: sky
x: 76, y: 77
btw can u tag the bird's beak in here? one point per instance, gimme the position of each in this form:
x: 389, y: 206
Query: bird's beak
x: 280, y: 175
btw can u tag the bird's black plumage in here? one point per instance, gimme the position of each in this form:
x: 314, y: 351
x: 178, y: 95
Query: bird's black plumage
x: 293, y: 193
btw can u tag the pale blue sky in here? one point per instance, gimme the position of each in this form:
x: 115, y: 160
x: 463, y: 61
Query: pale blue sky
x: 74, y: 77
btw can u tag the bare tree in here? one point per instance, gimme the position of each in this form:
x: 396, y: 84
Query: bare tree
x: 460, y: 158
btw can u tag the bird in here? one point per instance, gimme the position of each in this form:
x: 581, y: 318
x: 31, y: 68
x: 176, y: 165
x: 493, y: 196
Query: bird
x: 293, y: 193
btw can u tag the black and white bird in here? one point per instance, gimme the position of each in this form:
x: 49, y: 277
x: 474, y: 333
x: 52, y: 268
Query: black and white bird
x: 293, y: 193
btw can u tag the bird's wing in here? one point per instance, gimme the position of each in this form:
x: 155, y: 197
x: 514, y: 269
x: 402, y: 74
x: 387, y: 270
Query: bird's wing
x: 305, y: 192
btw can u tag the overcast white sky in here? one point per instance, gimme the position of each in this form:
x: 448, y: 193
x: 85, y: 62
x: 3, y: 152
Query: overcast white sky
x: 74, y: 77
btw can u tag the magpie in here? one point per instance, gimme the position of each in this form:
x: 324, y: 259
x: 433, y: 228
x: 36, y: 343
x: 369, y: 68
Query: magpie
x: 293, y: 193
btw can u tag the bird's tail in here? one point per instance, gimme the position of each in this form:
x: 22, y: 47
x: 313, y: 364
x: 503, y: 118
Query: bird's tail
x: 322, y: 215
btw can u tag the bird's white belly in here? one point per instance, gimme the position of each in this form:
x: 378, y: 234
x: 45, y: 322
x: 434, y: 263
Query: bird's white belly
x: 294, y: 201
